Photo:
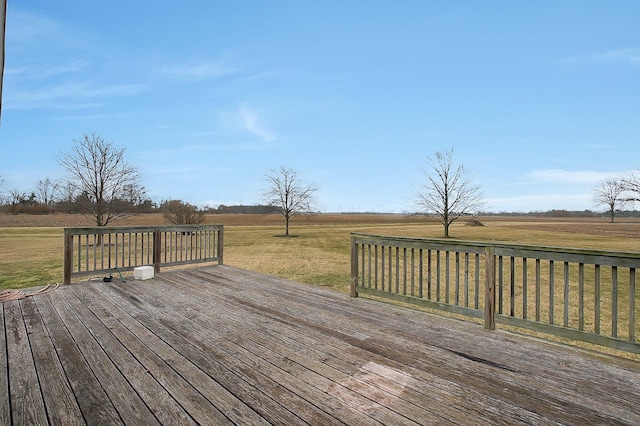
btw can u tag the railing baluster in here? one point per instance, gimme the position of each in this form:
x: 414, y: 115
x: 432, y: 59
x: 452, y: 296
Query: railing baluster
x: 476, y: 302
x: 512, y: 286
x: 581, y: 296
x: 429, y: 274
x: 500, y: 285
x: 466, y: 280
x: 382, y: 271
x: 551, y: 291
x: 632, y: 304
x: 446, y: 276
x: 397, y: 266
x: 375, y: 257
x: 437, y: 275
x: 538, y: 291
x: 565, y: 319
x: 596, y: 290
x: 614, y: 301
x: 390, y: 285
x: 525, y: 281
x: 369, y: 265
x: 413, y: 271
x: 362, y: 276
x: 457, y: 291
x: 420, y: 274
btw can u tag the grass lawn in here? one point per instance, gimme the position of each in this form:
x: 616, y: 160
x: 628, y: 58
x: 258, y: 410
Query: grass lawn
x: 318, y: 253
x: 31, y: 254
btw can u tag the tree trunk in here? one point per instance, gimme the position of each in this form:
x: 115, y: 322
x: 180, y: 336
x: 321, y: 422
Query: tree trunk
x: 286, y: 226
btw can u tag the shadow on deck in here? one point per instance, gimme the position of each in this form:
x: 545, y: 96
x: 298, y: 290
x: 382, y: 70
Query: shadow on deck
x: 219, y: 345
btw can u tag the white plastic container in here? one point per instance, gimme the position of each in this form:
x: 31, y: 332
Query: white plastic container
x: 143, y: 273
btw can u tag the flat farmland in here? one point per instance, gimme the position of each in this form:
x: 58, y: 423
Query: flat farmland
x: 31, y: 247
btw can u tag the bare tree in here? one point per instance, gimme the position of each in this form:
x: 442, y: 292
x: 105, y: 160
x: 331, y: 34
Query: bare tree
x: 631, y: 185
x: 288, y: 194
x: 15, y: 199
x: 47, y: 191
x: 181, y: 213
x: 449, y: 192
x: 2, y: 181
x: 106, y: 186
x: 611, y: 193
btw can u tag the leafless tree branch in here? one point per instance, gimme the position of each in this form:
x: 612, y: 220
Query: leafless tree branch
x: 288, y: 194
x: 449, y: 193
x: 105, y: 186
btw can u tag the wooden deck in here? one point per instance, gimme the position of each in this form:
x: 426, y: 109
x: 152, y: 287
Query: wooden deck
x: 219, y: 345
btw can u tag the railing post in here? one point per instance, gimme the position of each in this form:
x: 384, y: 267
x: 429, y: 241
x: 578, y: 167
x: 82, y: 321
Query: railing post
x: 220, y: 245
x: 490, y: 289
x: 68, y: 257
x: 354, y: 267
x: 157, y: 249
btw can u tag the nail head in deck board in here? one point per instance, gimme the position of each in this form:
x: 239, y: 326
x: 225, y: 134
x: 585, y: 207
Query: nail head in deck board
x: 237, y: 314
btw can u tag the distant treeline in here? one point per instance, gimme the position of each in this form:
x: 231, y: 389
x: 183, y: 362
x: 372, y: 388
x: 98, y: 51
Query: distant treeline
x: 568, y: 213
x: 30, y: 205
x: 257, y: 209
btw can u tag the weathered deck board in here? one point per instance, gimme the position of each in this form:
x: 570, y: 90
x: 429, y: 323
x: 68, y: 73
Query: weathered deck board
x: 218, y: 345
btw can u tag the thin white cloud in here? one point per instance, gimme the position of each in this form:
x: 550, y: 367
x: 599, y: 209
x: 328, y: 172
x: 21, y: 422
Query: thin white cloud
x: 84, y: 117
x: 26, y: 27
x: 199, y: 72
x: 57, y: 70
x: 203, y: 71
x: 626, y: 55
x: 251, y: 122
x: 68, y: 95
x: 33, y: 32
x: 620, y: 55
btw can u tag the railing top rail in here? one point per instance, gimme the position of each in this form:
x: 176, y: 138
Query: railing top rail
x: 630, y: 259
x: 131, y: 229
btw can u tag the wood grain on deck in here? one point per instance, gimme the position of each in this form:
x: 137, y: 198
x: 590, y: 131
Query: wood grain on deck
x: 220, y: 345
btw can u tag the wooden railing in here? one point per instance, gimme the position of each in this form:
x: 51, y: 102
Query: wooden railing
x: 585, y: 295
x: 97, y: 250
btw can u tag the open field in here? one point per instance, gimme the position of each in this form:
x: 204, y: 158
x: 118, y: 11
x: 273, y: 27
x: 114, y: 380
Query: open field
x: 31, y: 246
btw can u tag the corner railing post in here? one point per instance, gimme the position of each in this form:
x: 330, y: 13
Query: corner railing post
x: 68, y: 257
x: 354, y: 267
x: 220, y: 245
x: 157, y: 249
x: 490, y: 289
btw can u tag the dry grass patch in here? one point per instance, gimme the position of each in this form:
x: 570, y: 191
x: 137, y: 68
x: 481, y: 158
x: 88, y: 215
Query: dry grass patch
x: 30, y: 257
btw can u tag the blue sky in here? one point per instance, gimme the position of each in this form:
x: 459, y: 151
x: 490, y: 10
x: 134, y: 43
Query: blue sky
x: 540, y: 100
